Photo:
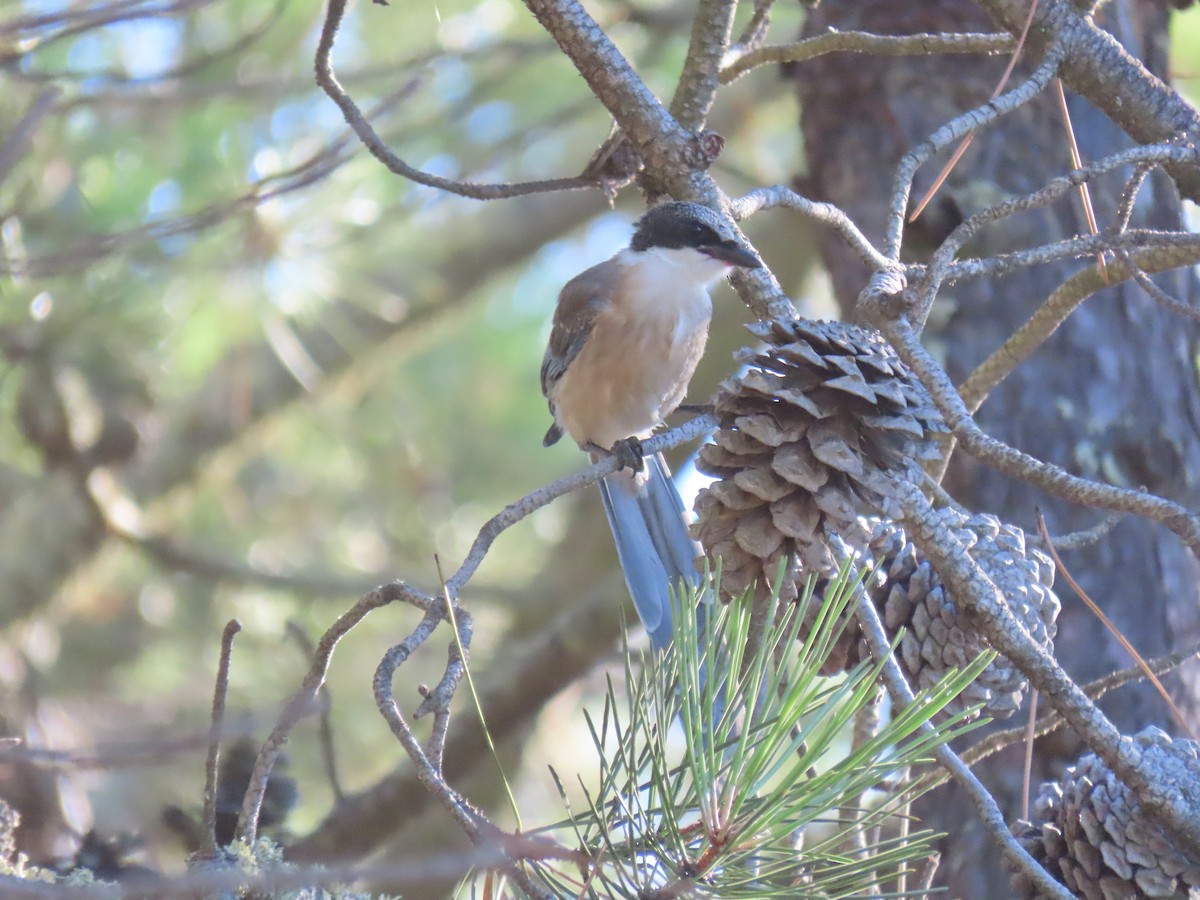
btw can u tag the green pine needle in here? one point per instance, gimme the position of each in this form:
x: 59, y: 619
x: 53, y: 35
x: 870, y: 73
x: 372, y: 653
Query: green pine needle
x: 692, y: 803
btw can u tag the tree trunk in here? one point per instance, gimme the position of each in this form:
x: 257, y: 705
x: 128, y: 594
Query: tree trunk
x: 1112, y: 395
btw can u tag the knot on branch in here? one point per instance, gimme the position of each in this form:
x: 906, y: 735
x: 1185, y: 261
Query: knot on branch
x: 614, y: 165
x: 702, y: 151
x: 885, y: 298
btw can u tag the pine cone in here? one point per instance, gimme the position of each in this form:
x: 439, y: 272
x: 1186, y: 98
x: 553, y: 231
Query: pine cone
x: 1090, y: 833
x: 805, y: 435
x: 910, y: 595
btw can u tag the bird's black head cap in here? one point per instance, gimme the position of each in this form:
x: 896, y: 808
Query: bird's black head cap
x: 681, y: 224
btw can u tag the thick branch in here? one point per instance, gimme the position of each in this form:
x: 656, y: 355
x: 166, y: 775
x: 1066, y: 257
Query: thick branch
x: 698, y: 84
x: 1170, y: 796
x: 1097, y: 67
x: 612, y: 80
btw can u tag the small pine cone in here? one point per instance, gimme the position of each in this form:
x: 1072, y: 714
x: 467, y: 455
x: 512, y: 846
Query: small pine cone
x: 805, y: 435
x: 910, y: 595
x: 1090, y: 833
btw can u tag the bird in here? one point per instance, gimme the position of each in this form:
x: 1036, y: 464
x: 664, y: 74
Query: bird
x: 625, y: 339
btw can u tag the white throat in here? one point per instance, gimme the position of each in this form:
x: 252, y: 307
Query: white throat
x: 678, y: 268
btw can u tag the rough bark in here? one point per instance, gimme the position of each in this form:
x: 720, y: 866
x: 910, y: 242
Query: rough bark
x: 1113, y: 394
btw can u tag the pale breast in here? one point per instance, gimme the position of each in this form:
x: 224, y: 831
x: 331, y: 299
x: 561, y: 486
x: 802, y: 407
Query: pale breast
x: 635, y: 367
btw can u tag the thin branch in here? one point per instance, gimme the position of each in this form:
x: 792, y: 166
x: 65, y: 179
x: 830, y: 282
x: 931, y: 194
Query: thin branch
x: 1054, y: 311
x: 985, y: 805
x: 537, y: 667
x: 955, y: 130
x: 753, y: 34
x: 301, y: 702
x: 864, y: 42
x: 1157, y: 294
x: 825, y: 213
x: 213, y: 760
x: 471, y: 820
x: 1098, y: 68
x: 325, y: 726
x: 1072, y: 248
x: 1086, y: 537
x: 1052, y: 720
x: 942, y: 267
x: 535, y: 500
x: 966, y: 141
x: 327, y: 80
x: 1017, y: 464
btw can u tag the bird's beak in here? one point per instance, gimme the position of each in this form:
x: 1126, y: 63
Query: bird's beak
x: 733, y: 253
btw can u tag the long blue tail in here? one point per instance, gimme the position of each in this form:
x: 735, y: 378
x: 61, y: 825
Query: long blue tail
x: 649, y: 525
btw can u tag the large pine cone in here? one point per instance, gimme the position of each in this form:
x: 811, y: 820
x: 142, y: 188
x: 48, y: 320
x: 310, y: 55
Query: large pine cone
x: 910, y: 595
x: 806, y: 434
x: 1091, y: 834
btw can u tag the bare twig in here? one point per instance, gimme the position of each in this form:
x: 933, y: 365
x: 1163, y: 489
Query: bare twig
x: 535, y: 500
x: 327, y: 79
x: 1086, y: 537
x: 1099, y: 69
x: 753, y: 34
x: 1157, y: 294
x: 1055, y: 310
x: 471, y: 820
x: 325, y: 726
x: 301, y: 701
x: 214, y: 735
x: 863, y: 42
x: 1072, y: 248
x: 966, y: 141
x: 537, y: 667
x: 955, y: 130
x: 826, y: 213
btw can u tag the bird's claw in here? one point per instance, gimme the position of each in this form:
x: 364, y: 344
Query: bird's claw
x: 629, y: 454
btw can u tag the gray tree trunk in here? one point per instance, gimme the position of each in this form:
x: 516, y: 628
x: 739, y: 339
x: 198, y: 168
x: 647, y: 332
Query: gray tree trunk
x: 1112, y: 396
